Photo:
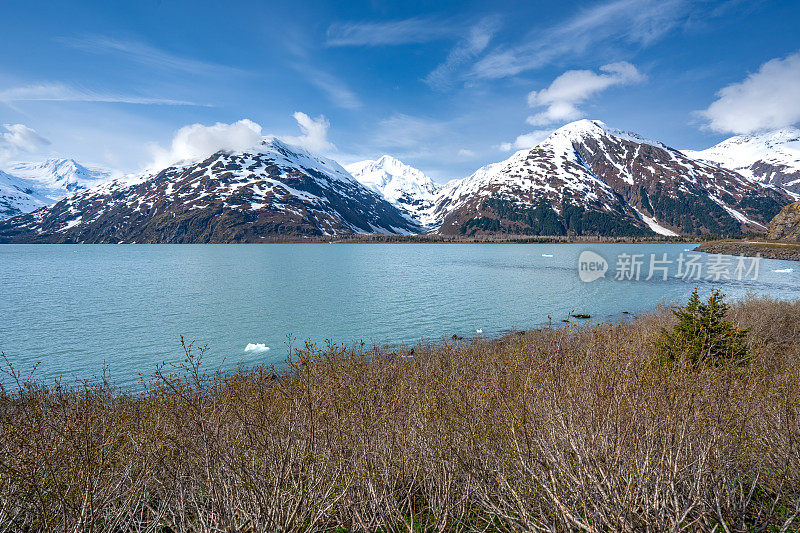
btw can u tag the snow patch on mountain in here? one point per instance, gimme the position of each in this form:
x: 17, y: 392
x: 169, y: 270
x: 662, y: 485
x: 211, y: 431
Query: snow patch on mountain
x: 655, y: 226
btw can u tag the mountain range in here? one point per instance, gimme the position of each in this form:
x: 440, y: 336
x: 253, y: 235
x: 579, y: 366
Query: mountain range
x: 586, y: 178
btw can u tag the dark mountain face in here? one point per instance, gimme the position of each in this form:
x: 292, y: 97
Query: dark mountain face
x: 278, y: 191
x: 589, y: 179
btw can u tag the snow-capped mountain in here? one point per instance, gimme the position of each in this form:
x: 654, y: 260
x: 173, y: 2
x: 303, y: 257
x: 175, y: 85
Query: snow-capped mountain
x: 17, y: 197
x: 772, y: 158
x: 406, y: 187
x: 26, y: 186
x: 271, y: 191
x: 56, y: 178
x: 588, y: 178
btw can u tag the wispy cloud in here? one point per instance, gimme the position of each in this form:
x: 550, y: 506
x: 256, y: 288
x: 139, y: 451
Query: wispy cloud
x: 573, y: 87
x: 146, y: 54
x: 407, y: 31
x: 336, y: 90
x: 464, y: 51
x: 404, y: 132
x: 765, y: 99
x: 58, y: 92
x: 640, y: 22
x: 302, y: 61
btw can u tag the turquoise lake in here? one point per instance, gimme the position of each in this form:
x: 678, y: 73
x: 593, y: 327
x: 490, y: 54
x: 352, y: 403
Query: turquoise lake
x: 73, y: 309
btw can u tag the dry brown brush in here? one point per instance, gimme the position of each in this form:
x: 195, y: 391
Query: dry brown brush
x: 574, y: 429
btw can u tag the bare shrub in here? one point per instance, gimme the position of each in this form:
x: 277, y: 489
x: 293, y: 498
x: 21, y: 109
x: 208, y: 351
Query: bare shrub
x: 567, y: 429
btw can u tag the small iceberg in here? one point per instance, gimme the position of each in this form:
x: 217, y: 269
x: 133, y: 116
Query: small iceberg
x: 547, y: 255
x: 256, y: 348
x: 478, y: 331
x: 784, y: 270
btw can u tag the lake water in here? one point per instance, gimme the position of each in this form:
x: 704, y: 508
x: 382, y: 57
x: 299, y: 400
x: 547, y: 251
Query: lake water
x: 74, y: 308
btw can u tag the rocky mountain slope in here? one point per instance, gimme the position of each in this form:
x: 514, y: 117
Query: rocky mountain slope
x: 272, y: 191
x: 406, y: 187
x: 772, y: 158
x: 587, y: 178
x: 26, y: 186
x: 786, y: 224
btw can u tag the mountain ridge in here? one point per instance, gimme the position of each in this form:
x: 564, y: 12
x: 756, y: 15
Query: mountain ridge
x: 771, y: 157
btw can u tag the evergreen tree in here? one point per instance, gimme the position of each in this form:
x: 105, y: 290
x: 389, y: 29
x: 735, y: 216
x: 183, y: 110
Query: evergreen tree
x: 702, y: 335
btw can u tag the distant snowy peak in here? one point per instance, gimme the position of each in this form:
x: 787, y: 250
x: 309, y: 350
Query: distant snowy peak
x: 771, y: 158
x: 26, y: 186
x: 406, y: 187
x: 388, y: 172
x: 743, y: 150
x: 56, y: 178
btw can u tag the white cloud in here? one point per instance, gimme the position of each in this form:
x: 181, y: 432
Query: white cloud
x: 573, y: 87
x: 58, y: 92
x: 197, y: 141
x: 413, y: 30
x: 527, y: 140
x: 466, y: 153
x: 19, y: 138
x: 766, y: 99
x: 479, y: 37
x: 641, y: 22
x: 315, y: 134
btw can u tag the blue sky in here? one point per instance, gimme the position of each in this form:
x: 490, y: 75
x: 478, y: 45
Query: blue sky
x: 444, y: 86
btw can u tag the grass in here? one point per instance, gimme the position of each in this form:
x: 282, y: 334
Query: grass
x: 573, y: 429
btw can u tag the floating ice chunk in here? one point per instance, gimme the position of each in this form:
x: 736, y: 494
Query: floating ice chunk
x: 784, y: 270
x: 478, y: 331
x: 547, y: 255
x: 256, y: 348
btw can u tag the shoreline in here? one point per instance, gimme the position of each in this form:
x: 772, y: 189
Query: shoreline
x: 432, y: 239
x: 756, y: 248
